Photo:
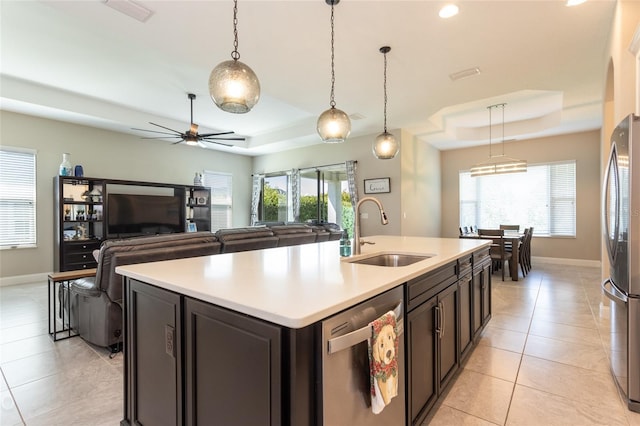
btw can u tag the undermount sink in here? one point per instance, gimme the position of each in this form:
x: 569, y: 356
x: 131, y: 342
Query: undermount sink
x: 391, y: 260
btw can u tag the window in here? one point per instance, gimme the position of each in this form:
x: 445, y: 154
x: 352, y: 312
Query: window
x: 17, y: 198
x: 221, y: 199
x: 544, y: 197
x: 322, y: 195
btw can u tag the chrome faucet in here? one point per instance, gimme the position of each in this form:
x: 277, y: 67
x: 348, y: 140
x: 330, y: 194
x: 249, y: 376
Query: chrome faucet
x: 356, y: 226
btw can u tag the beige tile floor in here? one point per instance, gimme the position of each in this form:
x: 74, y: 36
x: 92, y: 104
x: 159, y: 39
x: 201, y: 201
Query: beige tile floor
x: 540, y: 361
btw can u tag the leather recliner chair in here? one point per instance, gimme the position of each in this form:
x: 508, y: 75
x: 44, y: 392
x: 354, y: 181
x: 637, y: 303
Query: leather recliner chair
x: 96, y: 310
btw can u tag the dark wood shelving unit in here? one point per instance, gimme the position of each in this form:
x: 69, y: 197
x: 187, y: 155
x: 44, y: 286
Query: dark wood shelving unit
x: 78, y: 233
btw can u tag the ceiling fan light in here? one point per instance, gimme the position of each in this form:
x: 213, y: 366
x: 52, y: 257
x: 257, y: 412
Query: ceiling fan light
x: 334, y: 126
x: 385, y: 147
x: 234, y: 87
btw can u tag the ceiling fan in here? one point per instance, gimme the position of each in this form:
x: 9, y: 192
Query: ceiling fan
x: 191, y: 136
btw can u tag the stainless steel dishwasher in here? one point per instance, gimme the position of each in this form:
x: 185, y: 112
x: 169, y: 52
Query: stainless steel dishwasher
x: 346, y: 398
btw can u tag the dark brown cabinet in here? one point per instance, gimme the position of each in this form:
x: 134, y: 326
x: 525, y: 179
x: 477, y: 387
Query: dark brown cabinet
x: 481, y: 290
x: 79, y: 222
x: 465, y: 295
x: 192, y: 359
x: 432, y: 338
x: 199, y: 208
x: 153, y: 349
x: 228, y: 354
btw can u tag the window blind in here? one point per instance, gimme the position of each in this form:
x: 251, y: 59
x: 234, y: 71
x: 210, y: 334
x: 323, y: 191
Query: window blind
x: 17, y: 198
x: 221, y: 198
x: 544, y: 197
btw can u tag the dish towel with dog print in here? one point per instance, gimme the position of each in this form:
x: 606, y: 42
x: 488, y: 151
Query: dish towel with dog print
x: 383, y: 362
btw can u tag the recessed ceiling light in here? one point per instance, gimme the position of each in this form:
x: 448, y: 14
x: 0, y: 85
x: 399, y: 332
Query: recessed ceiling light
x: 575, y: 2
x: 448, y: 11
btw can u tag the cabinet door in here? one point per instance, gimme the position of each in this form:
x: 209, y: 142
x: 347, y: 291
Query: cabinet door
x: 465, y: 291
x: 153, y: 352
x: 228, y: 354
x: 447, y: 334
x: 421, y: 359
x: 485, y: 290
x: 476, y: 301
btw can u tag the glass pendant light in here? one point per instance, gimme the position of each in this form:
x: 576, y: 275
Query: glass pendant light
x: 385, y: 147
x: 233, y: 86
x: 498, y: 164
x: 334, y: 125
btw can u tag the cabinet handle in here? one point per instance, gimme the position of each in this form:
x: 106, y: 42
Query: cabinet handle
x: 169, y: 341
x: 444, y: 321
x: 438, y: 321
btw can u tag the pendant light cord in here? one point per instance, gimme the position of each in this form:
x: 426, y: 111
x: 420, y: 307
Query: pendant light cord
x: 385, y: 92
x: 333, y: 73
x: 490, y: 108
x: 235, y: 55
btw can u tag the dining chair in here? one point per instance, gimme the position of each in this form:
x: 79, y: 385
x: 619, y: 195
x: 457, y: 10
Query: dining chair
x: 512, y: 228
x: 499, y: 255
x: 527, y: 249
x: 522, y: 252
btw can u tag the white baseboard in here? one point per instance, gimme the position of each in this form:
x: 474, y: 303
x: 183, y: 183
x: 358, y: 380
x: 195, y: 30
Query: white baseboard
x: 564, y: 261
x: 24, y: 279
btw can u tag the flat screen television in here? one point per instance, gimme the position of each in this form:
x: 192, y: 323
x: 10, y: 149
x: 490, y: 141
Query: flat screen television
x: 130, y: 215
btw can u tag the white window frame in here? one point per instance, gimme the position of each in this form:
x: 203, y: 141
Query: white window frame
x: 551, y: 194
x: 17, y: 198
x: 221, y: 185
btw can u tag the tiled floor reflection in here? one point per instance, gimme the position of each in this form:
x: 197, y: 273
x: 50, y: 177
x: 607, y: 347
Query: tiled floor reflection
x: 541, y: 360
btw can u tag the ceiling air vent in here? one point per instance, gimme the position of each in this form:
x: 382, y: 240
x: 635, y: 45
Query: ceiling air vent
x: 130, y: 8
x: 464, y: 74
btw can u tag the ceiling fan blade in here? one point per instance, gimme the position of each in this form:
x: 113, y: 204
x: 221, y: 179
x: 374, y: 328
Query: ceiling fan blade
x: 204, y: 135
x: 160, y: 137
x: 222, y: 139
x: 218, y: 143
x: 156, y: 131
x: 166, y: 128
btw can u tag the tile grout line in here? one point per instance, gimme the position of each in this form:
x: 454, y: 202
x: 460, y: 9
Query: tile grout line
x: 515, y: 381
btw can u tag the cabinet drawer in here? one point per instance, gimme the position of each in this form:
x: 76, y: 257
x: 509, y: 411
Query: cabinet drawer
x: 422, y: 288
x: 79, y: 257
x: 80, y: 265
x: 464, y: 265
x: 81, y: 246
x: 480, y: 256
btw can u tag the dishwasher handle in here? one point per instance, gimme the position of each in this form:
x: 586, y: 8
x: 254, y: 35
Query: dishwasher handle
x: 362, y: 334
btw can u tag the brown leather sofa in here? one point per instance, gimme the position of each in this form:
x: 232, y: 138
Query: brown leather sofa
x: 249, y: 238
x: 96, y: 310
x: 294, y: 234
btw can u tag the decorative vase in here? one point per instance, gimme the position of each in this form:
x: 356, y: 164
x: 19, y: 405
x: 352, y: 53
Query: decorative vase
x: 78, y: 171
x: 65, y: 166
x: 197, y: 180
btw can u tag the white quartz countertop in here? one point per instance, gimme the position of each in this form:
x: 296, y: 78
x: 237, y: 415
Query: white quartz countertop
x: 298, y: 285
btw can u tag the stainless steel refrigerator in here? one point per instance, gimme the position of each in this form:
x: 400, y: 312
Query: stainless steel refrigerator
x: 621, y: 215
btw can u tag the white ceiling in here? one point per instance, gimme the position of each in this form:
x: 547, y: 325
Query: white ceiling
x: 84, y: 62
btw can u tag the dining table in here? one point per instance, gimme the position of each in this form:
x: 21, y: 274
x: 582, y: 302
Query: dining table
x: 514, y: 238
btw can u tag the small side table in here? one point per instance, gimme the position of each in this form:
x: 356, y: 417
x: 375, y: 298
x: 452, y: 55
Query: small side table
x: 56, y: 281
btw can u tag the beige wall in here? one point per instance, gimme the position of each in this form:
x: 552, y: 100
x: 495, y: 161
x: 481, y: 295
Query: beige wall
x: 582, y: 147
x: 421, y: 188
x: 108, y: 155
x: 413, y: 205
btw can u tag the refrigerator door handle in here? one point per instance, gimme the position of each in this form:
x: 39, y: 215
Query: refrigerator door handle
x: 613, y: 293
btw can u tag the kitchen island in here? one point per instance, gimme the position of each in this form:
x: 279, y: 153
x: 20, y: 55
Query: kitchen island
x: 270, y: 303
